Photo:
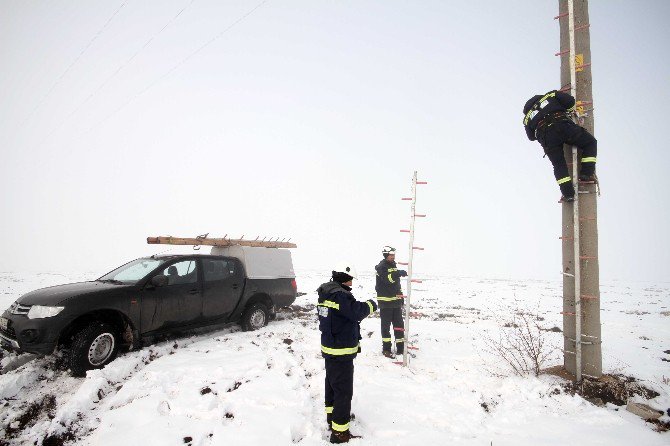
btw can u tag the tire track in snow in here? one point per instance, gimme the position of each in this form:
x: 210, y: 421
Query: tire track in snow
x: 72, y: 414
x: 303, y: 374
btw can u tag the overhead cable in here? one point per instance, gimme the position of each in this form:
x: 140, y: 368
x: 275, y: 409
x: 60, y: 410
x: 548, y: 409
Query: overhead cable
x: 181, y: 62
x: 118, y: 70
x: 72, y: 64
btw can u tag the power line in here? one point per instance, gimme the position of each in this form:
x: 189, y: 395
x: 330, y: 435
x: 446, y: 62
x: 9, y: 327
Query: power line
x: 72, y: 64
x: 180, y: 63
x: 119, y: 69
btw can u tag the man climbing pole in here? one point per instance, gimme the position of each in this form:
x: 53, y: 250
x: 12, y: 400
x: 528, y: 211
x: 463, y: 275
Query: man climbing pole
x: 340, y: 315
x: 389, y: 296
x: 547, y: 119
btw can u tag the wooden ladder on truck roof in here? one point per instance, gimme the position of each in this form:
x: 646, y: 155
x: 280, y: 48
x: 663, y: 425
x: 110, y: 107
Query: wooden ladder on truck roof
x: 203, y: 240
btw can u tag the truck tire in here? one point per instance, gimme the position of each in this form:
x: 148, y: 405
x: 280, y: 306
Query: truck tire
x: 93, y: 347
x: 255, y: 317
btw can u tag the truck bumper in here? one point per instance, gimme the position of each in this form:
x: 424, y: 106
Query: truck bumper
x: 25, y: 335
x: 12, y: 345
x: 8, y: 342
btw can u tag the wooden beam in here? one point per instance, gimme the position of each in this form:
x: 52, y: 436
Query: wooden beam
x: 169, y: 240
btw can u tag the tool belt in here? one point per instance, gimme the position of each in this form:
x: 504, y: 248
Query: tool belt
x: 550, y: 119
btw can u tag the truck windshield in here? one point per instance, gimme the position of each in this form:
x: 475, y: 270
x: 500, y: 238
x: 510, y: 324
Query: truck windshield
x: 132, y: 272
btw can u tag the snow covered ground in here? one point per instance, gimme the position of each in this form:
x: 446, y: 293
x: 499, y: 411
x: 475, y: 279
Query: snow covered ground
x: 266, y: 387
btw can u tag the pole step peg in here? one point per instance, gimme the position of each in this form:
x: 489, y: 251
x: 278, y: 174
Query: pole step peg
x: 402, y: 263
x: 586, y: 218
x: 406, y: 199
x: 588, y: 257
x: 422, y: 182
x: 581, y: 27
x: 416, y: 281
x: 419, y: 215
x: 582, y: 342
x: 404, y: 230
x: 566, y: 238
x: 412, y: 348
x: 560, y: 53
x: 565, y: 14
x: 588, y: 296
x: 568, y: 274
x: 565, y: 88
x: 568, y: 313
x: 417, y: 248
x: 581, y: 67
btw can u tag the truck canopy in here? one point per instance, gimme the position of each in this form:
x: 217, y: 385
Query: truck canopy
x: 260, y: 263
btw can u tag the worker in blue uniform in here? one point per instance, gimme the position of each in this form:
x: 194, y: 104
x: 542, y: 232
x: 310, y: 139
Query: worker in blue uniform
x: 547, y: 119
x: 340, y: 315
x: 390, y: 298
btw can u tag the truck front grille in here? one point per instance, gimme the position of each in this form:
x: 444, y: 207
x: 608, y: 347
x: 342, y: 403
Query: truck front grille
x: 17, y: 308
x: 10, y: 333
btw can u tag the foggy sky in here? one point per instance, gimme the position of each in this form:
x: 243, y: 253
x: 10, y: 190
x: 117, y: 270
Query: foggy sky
x: 306, y: 119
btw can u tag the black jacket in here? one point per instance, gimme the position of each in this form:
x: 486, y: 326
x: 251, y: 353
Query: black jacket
x: 388, y: 284
x: 339, y: 317
x: 541, y: 108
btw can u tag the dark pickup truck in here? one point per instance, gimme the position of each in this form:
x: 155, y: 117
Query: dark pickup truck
x: 148, y: 298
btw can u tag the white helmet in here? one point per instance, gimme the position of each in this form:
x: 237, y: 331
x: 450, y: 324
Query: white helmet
x: 346, y: 268
x: 388, y: 250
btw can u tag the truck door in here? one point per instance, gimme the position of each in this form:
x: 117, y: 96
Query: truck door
x: 222, y: 287
x: 176, y: 304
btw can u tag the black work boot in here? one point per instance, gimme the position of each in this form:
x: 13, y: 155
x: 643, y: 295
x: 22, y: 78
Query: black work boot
x: 568, y: 191
x: 400, y: 349
x: 588, y: 178
x: 342, y: 437
x: 388, y: 354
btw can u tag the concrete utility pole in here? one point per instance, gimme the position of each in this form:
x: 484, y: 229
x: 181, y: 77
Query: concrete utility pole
x: 581, y: 312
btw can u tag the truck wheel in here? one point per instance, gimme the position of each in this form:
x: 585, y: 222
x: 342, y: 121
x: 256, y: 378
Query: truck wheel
x: 255, y: 317
x: 92, y: 348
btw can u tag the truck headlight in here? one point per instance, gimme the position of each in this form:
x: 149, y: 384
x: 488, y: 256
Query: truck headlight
x: 42, y: 311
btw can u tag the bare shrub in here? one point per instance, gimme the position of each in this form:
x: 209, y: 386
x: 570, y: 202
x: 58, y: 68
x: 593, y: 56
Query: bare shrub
x: 521, y: 342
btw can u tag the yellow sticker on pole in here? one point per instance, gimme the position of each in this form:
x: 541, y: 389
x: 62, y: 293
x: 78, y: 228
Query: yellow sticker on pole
x: 579, y: 107
x: 579, y: 63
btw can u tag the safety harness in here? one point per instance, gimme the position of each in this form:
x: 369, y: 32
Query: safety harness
x: 550, y: 119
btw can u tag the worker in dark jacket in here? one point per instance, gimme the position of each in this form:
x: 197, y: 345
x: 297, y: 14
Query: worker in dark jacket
x: 340, y: 315
x: 547, y: 120
x: 390, y: 298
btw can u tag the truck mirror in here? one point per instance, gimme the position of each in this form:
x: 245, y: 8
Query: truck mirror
x: 159, y: 280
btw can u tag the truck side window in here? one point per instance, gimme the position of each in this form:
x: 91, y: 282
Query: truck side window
x: 181, y: 272
x: 217, y: 269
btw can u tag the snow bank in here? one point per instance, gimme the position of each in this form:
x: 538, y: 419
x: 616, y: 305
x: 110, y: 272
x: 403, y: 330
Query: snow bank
x: 266, y: 387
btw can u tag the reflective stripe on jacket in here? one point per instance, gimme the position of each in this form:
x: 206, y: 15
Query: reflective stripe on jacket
x: 540, y: 106
x: 388, y: 284
x: 339, y: 317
